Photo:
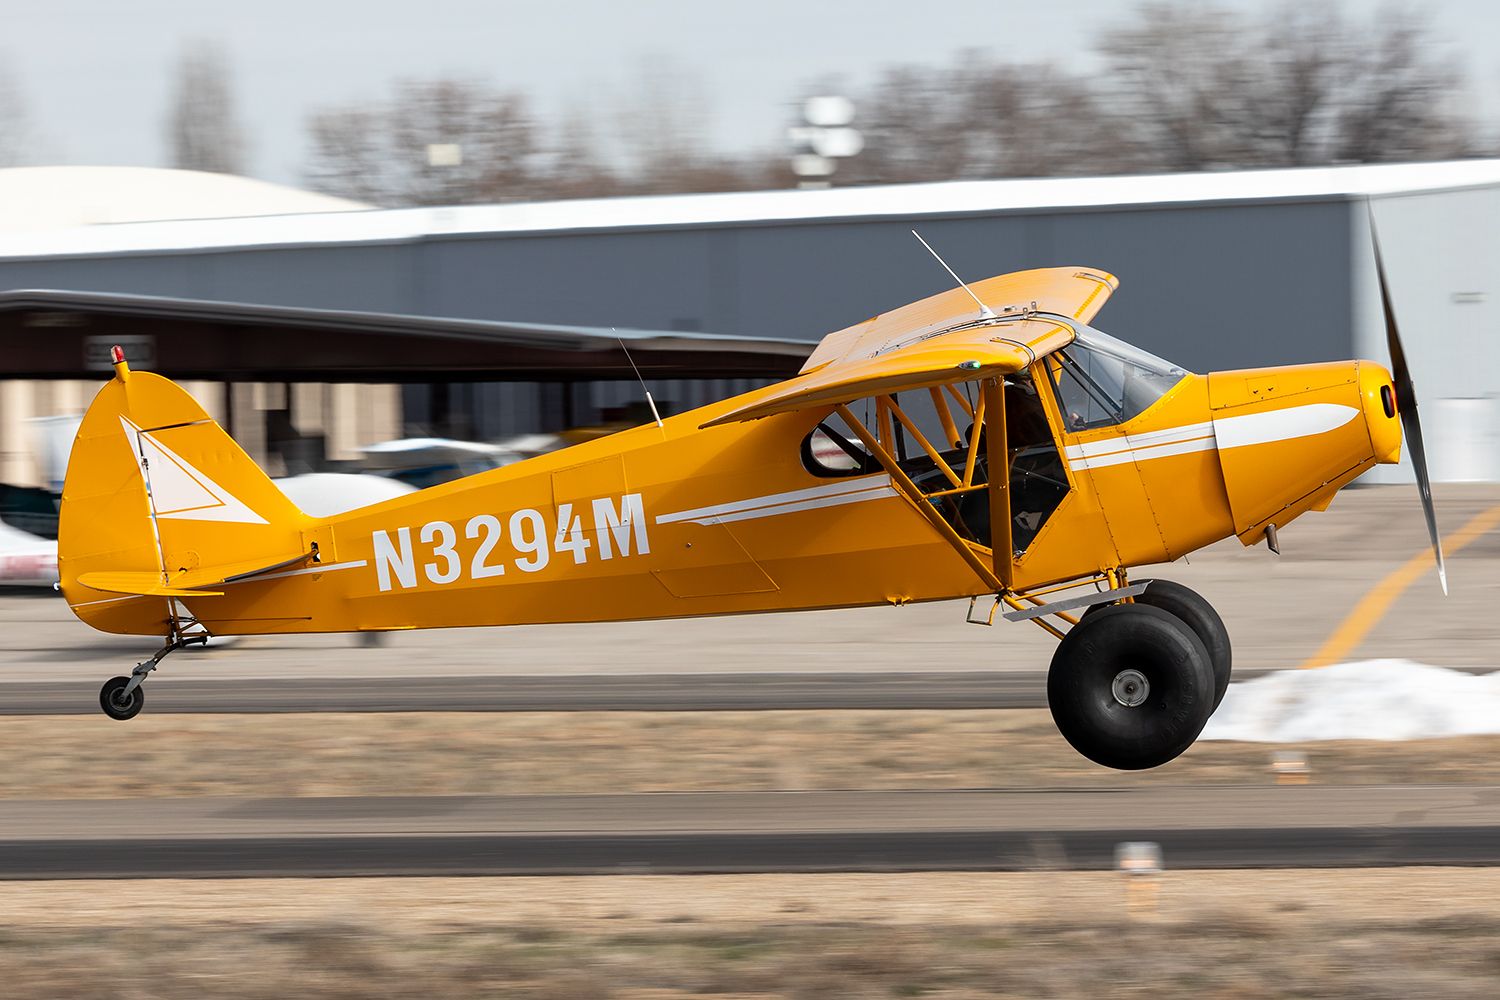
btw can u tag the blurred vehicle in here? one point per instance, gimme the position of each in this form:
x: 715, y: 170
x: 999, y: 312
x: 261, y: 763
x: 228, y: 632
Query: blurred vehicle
x: 424, y: 462
x: 51, y: 443
x: 25, y: 559
x: 30, y: 509
x: 1009, y: 451
x: 324, y: 494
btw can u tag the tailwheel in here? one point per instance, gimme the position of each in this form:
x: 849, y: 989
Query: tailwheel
x: 1131, y: 686
x: 117, y: 703
x: 1200, y: 616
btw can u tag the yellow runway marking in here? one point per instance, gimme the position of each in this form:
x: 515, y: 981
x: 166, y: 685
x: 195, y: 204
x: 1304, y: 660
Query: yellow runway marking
x: 1373, y: 606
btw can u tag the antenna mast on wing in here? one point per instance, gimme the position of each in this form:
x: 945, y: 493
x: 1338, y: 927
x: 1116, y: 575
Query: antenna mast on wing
x: 984, y: 310
x: 649, y: 401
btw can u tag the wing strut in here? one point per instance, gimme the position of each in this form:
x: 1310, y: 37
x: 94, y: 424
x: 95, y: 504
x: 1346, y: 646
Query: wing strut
x: 999, y: 477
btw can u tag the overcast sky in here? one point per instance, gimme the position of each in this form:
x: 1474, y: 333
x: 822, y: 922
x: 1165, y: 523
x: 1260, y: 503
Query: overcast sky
x: 94, y: 74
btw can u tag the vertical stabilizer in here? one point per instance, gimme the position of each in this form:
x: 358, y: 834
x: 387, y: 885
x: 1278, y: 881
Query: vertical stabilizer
x: 155, y: 486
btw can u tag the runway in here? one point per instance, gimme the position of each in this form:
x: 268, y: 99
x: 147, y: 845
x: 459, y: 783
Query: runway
x: 678, y: 692
x: 567, y: 693
x: 981, y: 830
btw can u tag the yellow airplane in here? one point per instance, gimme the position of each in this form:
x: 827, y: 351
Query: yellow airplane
x: 986, y: 442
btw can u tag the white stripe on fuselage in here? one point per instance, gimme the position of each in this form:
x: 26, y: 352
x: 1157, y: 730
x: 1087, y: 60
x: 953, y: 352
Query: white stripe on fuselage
x: 1227, y: 432
x: 1127, y: 442
x: 848, y: 491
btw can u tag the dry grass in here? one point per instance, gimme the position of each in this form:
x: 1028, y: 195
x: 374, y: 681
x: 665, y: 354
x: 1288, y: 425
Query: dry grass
x: 482, y: 753
x: 1365, y: 934
x: 1226, y: 957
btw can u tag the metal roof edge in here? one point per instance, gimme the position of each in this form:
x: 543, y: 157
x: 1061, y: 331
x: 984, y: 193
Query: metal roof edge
x: 947, y: 198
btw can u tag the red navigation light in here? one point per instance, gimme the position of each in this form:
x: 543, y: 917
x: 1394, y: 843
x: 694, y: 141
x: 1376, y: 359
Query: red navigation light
x: 117, y: 354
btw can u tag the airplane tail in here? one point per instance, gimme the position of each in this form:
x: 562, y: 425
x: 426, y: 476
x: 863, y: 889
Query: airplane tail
x: 160, y: 508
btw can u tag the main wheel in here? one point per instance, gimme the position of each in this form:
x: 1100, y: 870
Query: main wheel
x: 117, y: 707
x: 1200, y: 616
x: 1130, y: 686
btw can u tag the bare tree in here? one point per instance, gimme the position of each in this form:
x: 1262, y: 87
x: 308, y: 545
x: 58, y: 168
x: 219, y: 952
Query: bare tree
x: 915, y: 128
x: 455, y: 142
x: 1402, y: 98
x: 575, y: 165
x: 1195, y: 86
x: 203, y: 131
x: 435, y: 142
x: 350, y: 157
x: 1187, y: 86
x: 978, y: 119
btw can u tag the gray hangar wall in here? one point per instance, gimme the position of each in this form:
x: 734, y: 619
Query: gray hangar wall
x: 1209, y: 286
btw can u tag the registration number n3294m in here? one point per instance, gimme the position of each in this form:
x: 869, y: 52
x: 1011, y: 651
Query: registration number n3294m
x: 485, y: 545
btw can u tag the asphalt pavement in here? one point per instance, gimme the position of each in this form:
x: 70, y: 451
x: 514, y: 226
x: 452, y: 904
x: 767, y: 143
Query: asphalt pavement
x: 566, y: 693
x: 982, y: 830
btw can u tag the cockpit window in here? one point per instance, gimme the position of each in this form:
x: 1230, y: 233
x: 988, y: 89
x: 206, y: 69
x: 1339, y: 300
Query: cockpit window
x: 1102, y: 381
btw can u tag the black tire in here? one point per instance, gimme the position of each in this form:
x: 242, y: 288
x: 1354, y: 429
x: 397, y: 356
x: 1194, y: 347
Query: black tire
x: 1118, y: 644
x: 114, y: 707
x: 1200, y: 616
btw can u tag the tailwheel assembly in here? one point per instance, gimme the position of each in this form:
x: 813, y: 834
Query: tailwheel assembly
x: 122, y: 697
x: 1131, y: 686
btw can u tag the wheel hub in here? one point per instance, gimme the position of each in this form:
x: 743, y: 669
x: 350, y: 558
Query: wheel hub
x: 1130, y: 688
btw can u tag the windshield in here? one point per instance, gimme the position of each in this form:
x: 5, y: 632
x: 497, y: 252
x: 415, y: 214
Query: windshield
x: 1102, y: 381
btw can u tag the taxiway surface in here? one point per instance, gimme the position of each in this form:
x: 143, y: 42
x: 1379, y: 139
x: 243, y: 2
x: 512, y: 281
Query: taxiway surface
x: 994, y: 830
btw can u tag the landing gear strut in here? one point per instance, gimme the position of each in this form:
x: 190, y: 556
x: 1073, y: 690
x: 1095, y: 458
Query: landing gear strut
x: 122, y: 697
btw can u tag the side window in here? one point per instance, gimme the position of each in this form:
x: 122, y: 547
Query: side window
x: 831, y: 450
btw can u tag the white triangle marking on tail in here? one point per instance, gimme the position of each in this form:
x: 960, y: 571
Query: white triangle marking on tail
x: 181, y: 492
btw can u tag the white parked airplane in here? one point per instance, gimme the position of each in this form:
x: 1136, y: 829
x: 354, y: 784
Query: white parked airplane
x: 26, y: 560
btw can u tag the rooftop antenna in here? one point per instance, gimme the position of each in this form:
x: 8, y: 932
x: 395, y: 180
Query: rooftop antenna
x: 649, y: 401
x: 984, y: 311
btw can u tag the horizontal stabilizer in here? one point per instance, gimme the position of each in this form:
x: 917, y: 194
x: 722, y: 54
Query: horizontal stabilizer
x: 140, y: 585
x: 192, y: 582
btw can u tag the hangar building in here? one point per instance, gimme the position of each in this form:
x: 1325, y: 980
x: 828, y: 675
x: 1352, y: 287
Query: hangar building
x: 1218, y: 270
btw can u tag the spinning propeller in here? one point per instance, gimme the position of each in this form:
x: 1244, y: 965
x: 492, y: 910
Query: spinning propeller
x: 1406, y: 406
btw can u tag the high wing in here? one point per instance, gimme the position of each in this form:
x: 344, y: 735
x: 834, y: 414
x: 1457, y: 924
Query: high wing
x: 943, y: 338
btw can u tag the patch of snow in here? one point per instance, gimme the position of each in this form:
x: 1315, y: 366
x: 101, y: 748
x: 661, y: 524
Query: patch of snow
x: 1372, y: 700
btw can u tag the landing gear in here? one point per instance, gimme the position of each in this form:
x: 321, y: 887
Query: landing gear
x: 1131, y: 686
x: 1198, y: 615
x: 122, y: 697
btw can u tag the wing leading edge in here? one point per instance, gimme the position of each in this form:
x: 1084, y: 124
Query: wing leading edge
x: 941, y: 339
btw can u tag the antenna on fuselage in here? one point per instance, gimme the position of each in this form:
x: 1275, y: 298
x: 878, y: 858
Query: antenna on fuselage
x: 649, y: 401
x: 984, y: 310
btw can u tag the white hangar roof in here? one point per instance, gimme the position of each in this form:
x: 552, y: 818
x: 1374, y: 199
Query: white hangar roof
x: 304, y: 218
